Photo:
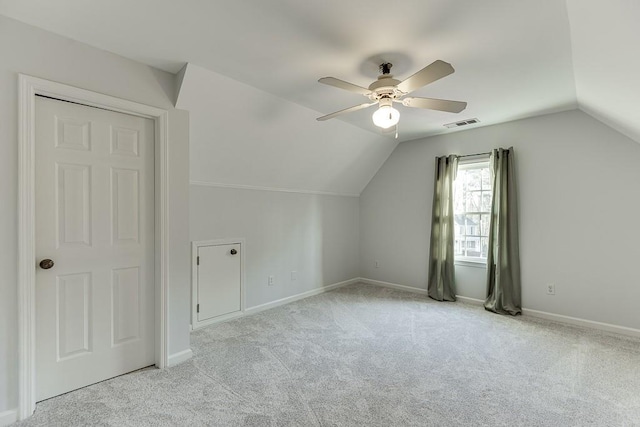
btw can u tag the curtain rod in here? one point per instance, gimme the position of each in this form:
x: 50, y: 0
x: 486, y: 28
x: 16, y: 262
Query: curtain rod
x: 473, y: 155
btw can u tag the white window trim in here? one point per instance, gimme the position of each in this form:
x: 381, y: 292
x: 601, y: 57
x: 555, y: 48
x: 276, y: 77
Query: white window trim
x: 474, y: 162
x: 470, y: 160
x: 470, y: 262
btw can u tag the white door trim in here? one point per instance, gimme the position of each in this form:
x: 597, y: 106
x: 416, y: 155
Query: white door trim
x: 29, y: 87
x: 195, y: 323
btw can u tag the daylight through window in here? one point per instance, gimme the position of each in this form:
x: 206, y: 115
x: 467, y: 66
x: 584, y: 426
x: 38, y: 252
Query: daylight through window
x: 472, y: 210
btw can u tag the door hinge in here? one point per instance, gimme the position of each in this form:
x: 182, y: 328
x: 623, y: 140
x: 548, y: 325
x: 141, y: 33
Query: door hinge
x: 198, y: 260
x: 197, y: 308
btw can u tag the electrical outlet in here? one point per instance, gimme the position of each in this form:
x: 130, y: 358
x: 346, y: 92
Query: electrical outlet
x: 376, y: 263
x: 551, y: 289
x: 294, y: 275
x: 271, y: 281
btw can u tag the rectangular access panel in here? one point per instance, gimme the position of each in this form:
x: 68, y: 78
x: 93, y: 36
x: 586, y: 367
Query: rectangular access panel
x: 219, y: 268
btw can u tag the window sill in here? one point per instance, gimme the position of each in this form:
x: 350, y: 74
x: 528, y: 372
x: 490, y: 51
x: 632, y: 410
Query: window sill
x: 471, y: 263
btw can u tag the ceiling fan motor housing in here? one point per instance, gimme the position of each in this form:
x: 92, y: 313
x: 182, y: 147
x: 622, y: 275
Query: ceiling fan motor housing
x: 385, y: 87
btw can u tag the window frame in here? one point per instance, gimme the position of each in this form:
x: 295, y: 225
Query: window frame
x: 475, y: 162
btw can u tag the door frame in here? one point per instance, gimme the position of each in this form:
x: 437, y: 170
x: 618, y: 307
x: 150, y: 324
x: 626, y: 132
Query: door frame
x: 195, y: 324
x: 29, y: 87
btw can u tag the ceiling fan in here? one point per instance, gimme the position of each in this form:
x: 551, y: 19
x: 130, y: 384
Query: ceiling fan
x: 387, y: 90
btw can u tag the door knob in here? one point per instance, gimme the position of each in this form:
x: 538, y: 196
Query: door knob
x: 233, y: 252
x: 46, y: 264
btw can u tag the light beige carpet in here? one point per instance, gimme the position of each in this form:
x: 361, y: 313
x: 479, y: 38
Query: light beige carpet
x: 369, y: 356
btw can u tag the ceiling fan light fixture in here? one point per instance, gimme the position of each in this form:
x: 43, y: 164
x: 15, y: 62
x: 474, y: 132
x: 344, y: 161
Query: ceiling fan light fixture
x: 386, y: 116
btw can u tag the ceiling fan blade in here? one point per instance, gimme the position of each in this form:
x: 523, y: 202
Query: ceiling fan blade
x: 341, y: 84
x: 435, y: 104
x: 346, y: 110
x: 429, y: 74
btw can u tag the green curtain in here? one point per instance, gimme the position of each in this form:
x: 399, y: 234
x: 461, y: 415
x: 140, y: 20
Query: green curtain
x: 503, y: 258
x: 441, y: 285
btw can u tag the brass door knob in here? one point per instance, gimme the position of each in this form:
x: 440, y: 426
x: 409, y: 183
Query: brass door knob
x: 46, y: 264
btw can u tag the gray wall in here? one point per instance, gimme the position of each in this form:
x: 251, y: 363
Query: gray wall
x: 579, y: 195
x: 315, y: 235
x: 25, y: 49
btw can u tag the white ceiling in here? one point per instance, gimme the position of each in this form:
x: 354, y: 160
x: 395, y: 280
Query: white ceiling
x: 605, y: 38
x: 512, y: 58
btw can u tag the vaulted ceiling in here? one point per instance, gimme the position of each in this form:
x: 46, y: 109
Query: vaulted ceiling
x: 513, y: 59
x: 605, y: 37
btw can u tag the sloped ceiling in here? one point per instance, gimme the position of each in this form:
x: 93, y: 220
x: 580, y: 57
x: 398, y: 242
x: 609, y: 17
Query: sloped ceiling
x: 605, y: 37
x: 242, y: 136
x: 513, y: 59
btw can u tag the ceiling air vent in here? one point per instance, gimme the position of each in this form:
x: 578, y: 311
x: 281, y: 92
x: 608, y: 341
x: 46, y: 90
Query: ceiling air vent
x: 462, y: 123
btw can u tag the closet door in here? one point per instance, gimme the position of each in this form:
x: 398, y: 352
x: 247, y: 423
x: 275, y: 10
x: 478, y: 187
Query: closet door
x: 218, y: 281
x: 95, y: 283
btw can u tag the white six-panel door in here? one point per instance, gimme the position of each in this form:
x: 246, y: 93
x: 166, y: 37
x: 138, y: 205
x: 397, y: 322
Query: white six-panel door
x: 95, y: 221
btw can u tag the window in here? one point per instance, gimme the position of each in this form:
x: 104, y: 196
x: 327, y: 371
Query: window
x: 472, y: 210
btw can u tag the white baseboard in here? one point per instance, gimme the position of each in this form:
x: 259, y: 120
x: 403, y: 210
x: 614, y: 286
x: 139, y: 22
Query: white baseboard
x: 180, y: 357
x: 8, y: 417
x: 623, y: 330
x: 607, y: 327
x: 273, y: 304
x: 393, y: 286
x: 468, y: 300
x: 287, y: 300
